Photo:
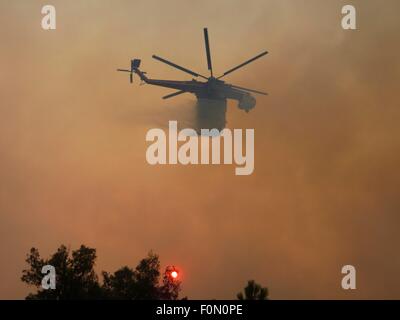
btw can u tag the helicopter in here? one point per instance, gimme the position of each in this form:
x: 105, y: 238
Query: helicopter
x: 213, y: 89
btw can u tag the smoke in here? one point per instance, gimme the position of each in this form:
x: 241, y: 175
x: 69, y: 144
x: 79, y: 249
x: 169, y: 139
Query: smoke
x: 324, y: 190
x: 184, y: 112
x: 192, y: 114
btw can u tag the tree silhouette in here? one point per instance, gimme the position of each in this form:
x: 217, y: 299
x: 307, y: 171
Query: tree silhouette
x: 253, y: 291
x: 121, y: 285
x: 76, y: 278
x: 170, y: 288
x: 141, y: 283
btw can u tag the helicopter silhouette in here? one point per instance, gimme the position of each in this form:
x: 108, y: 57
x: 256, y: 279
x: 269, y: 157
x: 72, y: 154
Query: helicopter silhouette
x: 211, y: 94
x: 214, y: 91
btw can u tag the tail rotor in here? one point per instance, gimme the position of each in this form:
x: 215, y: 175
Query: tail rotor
x: 135, y: 63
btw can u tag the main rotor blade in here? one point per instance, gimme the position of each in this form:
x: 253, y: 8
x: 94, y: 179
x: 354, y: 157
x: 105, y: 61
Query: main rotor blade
x: 208, y: 53
x: 173, y: 94
x: 250, y: 90
x: 178, y: 67
x: 243, y: 64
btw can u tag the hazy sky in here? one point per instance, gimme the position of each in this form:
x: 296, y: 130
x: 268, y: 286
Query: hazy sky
x: 325, y: 190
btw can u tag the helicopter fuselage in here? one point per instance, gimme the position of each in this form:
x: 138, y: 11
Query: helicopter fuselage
x: 213, y: 89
